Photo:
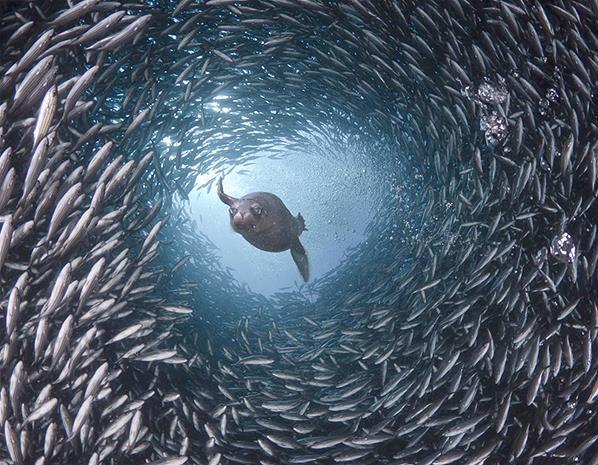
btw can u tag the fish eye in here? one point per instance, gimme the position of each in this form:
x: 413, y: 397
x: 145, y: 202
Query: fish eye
x: 232, y: 210
x: 257, y: 210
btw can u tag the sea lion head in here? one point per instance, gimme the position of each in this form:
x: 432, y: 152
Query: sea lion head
x: 247, y: 215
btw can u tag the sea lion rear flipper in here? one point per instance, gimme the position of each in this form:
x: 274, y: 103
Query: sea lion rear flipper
x: 300, y: 258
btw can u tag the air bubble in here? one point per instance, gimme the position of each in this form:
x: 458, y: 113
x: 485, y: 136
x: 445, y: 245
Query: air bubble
x: 489, y: 93
x: 562, y: 248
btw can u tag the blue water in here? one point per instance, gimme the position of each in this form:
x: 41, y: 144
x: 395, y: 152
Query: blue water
x: 336, y: 200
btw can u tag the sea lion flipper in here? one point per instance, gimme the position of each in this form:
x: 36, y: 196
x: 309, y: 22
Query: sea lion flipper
x: 300, y: 224
x: 227, y: 199
x: 300, y: 258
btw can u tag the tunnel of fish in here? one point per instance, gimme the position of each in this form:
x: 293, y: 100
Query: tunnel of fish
x: 470, y: 340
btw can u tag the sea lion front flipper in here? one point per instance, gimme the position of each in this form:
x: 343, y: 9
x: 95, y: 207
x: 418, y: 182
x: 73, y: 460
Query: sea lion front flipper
x: 300, y: 258
x: 227, y: 199
x: 300, y: 224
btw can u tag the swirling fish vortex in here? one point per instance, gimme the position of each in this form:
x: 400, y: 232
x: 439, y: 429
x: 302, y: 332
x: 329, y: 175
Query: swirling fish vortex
x: 462, y: 331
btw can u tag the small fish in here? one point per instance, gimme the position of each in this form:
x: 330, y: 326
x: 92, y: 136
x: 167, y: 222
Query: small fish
x: 45, y: 115
x: 256, y: 360
x: 42, y: 411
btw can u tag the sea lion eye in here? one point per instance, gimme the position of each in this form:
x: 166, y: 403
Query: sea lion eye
x: 257, y: 210
x: 232, y: 210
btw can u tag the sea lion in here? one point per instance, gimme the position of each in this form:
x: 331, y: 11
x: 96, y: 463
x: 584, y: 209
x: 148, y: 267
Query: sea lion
x: 266, y: 223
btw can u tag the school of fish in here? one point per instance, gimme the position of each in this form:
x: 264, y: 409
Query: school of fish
x: 463, y: 331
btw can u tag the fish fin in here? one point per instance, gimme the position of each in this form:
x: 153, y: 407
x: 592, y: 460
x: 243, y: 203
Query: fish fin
x: 300, y: 258
x: 300, y: 224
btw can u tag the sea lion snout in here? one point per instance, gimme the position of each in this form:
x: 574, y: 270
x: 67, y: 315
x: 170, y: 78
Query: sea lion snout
x: 245, y: 214
x: 242, y: 221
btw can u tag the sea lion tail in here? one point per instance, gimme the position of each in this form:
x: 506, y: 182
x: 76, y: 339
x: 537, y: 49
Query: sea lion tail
x: 300, y: 224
